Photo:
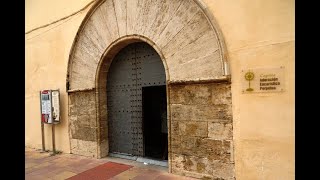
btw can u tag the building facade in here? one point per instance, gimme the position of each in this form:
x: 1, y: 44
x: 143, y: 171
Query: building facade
x: 119, y: 63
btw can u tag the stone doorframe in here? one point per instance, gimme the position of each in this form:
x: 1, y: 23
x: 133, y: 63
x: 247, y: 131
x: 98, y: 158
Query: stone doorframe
x: 101, y: 84
x: 191, y: 46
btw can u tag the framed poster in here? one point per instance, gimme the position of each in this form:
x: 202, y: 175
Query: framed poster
x: 45, y: 98
x: 55, y: 96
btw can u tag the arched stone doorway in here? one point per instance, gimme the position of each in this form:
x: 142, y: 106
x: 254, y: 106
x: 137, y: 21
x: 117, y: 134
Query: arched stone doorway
x: 136, y: 100
x: 191, y: 47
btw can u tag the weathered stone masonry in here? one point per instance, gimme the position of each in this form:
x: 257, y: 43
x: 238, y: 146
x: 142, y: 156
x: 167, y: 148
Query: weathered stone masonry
x: 82, y: 123
x: 191, y: 46
x: 201, y: 130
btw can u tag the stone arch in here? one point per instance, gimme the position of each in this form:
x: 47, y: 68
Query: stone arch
x: 101, y: 84
x: 180, y: 28
x: 183, y: 32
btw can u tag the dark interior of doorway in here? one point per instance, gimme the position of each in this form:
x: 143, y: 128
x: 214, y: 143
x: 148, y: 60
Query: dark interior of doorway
x: 154, y: 104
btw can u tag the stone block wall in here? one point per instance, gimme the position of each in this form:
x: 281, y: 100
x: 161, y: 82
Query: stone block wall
x: 201, y: 139
x: 82, y: 123
x: 201, y: 130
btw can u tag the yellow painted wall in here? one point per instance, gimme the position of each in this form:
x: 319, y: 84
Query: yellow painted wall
x: 258, y: 33
x: 47, y: 52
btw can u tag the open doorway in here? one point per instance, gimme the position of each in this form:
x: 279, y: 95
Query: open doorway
x: 136, y: 103
x: 155, y: 130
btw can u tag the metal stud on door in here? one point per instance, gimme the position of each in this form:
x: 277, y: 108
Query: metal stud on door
x: 136, y: 66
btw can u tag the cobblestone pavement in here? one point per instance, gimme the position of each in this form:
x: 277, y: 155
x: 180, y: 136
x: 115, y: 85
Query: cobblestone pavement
x: 42, y: 166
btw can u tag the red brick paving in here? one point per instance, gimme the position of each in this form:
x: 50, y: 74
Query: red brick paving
x: 102, y: 172
x: 43, y: 166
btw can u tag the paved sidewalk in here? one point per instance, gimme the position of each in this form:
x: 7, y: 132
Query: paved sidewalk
x: 43, y: 166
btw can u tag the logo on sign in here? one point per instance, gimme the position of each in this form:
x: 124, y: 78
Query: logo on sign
x: 249, y: 76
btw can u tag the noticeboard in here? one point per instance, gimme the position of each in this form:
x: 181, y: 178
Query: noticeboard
x: 55, y: 96
x: 50, y: 106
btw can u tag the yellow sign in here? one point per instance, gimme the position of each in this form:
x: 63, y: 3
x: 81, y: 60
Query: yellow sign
x: 262, y: 80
